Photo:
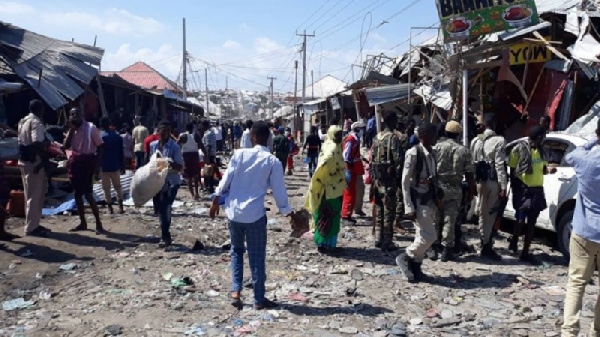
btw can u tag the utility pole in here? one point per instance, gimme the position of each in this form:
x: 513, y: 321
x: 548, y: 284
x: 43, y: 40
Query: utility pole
x: 206, y: 86
x: 184, y: 63
x: 297, y: 113
x: 271, y: 106
x: 312, y: 85
x: 226, y: 83
x: 304, y: 114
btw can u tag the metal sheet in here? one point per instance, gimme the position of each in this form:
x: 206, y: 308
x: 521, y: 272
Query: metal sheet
x: 60, y: 63
x: 386, y: 94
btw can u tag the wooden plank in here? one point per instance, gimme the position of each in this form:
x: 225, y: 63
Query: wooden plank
x: 549, y: 46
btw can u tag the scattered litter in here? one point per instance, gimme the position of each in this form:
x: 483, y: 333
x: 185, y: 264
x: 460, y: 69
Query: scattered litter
x: 114, y: 330
x: 555, y: 291
x: 167, y: 276
x: 200, y: 211
x: 198, y: 331
x: 212, y: 293
x: 294, y: 296
x: 68, y: 267
x: 18, y: 303
x: 44, y: 295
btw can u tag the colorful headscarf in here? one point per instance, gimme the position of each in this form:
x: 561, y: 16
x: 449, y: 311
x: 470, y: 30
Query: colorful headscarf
x: 328, y: 179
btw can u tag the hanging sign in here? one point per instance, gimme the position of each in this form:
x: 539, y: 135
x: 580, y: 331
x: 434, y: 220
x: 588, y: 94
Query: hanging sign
x: 528, y: 52
x: 463, y: 19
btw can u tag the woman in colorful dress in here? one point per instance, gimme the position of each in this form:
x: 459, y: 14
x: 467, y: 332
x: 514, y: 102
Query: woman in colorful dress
x: 324, y: 199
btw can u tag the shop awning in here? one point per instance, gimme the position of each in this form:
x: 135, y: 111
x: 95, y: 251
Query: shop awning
x: 386, y: 94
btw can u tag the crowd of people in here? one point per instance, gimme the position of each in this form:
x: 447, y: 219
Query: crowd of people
x: 421, y: 174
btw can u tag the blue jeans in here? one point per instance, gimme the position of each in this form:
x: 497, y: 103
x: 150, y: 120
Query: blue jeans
x: 312, y: 163
x: 163, y: 202
x: 139, y: 159
x: 255, y: 236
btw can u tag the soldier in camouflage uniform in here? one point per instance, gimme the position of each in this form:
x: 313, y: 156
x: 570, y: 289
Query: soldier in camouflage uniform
x: 386, y: 172
x: 453, y: 162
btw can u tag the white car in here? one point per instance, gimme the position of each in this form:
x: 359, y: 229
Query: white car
x: 560, y: 188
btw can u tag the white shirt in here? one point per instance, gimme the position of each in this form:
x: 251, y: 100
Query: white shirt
x: 218, y: 134
x: 245, y: 142
x: 248, y: 177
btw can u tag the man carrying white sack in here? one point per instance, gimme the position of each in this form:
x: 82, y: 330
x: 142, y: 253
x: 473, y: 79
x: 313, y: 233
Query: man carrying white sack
x: 170, y: 151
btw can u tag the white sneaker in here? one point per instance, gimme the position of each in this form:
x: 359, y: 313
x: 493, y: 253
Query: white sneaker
x: 403, y: 262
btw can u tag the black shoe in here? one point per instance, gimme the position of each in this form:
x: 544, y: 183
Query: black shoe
x: 447, y: 254
x: 434, y: 252
x: 417, y: 272
x: 377, y: 244
x: 40, y: 231
x: 528, y: 258
x: 164, y: 243
x: 8, y: 237
x: 390, y: 247
x: 79, y: 228
x: 360, y: 213
x: 513, y: 246
x: 488, y: 252
x: 266, y: 304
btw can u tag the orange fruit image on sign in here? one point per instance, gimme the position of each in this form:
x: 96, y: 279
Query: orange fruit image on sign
x: 494, y: 15
x: 486, y: 28
x: 475, y: 33
x: 499, y: 24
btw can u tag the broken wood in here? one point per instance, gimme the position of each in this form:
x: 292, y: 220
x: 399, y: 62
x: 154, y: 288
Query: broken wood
x: 550, y: 46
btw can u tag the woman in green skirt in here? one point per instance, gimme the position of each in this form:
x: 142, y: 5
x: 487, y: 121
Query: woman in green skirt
x: 324, y: 199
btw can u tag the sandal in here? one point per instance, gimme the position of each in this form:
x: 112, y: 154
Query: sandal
x: 236, y: 300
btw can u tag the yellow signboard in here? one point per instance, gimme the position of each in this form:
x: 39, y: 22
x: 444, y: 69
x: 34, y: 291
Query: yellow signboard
x: 528, y: 52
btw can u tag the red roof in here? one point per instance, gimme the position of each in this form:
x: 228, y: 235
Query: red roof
x: 144, y: 76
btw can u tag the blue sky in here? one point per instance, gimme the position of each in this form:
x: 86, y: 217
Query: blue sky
x: 243, y: 40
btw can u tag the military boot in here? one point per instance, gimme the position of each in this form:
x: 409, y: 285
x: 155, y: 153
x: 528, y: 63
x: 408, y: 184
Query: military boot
x: 419, y: 276
x: 447, y: 254
x: 487, y: 251
x: 434, y: 252
x: 405, y: 263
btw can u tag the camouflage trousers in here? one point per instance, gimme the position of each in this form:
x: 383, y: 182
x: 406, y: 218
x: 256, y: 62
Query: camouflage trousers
x: 445, y: 221
x: 386, y: 216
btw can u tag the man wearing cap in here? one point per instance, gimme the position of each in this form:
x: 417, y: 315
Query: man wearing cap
x: 31, y: 151
x: 354, y: 168
x: 454, y: 163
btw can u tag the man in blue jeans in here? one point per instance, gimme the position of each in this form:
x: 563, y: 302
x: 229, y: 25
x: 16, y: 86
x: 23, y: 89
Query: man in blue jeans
x: 313, y: 142
x: 251, y: 172
x: 163, y: 201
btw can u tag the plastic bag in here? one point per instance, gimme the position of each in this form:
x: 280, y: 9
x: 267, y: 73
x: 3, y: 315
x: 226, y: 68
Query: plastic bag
x: 149, y: 180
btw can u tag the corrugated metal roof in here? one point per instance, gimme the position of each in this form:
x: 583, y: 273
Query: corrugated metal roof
x: 325, y: 87
x: 59, y: 64
x: 440, y: 98
x: 555, y: 6
x: 145, y: 77
x: 386, y: 94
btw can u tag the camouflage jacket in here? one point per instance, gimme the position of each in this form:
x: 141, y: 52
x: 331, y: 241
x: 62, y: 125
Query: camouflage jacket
x: 453, y: 161
x: 388, y: 143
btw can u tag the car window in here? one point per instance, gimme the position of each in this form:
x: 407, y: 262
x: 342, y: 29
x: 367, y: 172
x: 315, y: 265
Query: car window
x: 555, y: 151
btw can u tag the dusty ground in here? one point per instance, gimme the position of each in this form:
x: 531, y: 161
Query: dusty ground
x: 122, y: 283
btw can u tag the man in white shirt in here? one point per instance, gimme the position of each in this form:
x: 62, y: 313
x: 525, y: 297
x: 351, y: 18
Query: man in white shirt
x: 246, y: 143
x: 139, y: 134
x: 251, y: 172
